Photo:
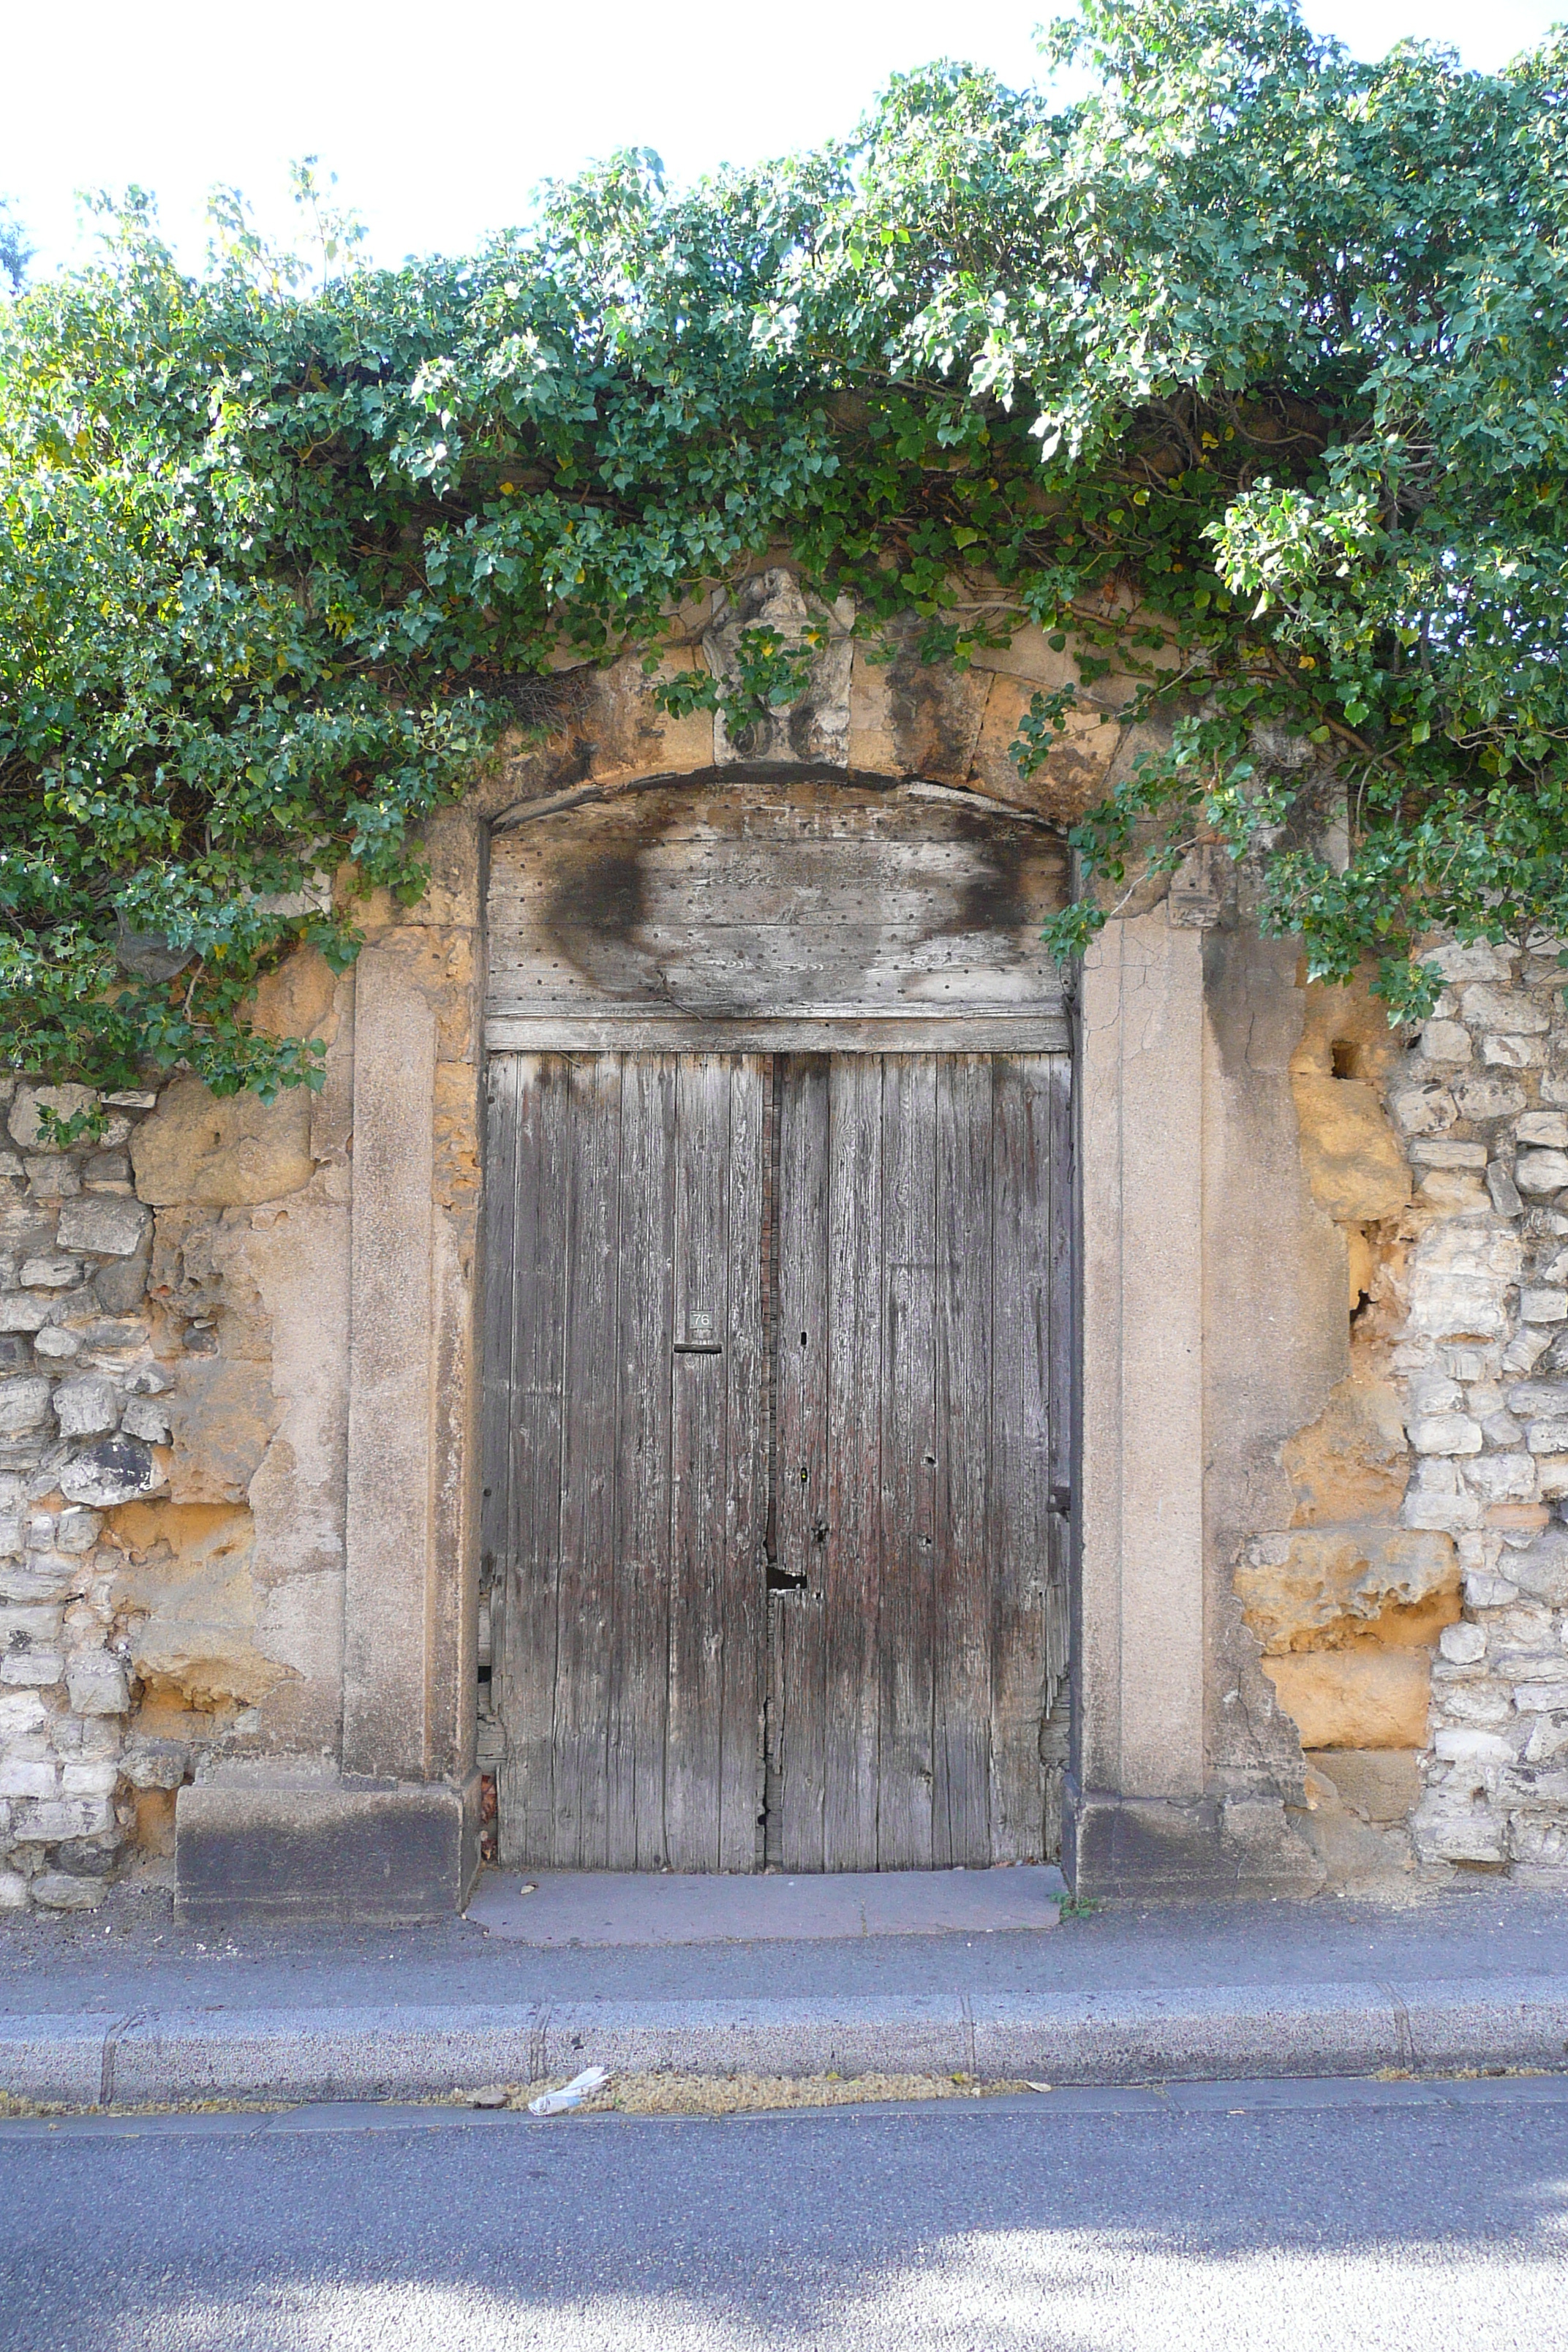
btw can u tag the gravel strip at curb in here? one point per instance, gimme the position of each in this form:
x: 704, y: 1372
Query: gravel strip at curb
x: 1189, y: 2033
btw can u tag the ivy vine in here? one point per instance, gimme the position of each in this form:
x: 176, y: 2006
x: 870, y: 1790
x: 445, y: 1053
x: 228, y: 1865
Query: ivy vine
x: 1245, y: 375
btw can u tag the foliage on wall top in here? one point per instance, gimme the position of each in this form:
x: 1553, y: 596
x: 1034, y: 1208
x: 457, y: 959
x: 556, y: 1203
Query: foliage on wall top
x: 1245, y: 372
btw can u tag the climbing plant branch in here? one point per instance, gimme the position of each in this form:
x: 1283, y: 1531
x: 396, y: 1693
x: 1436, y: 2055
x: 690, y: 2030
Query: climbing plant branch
x: 1242, y: 377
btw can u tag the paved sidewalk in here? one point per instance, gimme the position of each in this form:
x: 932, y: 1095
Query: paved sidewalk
x: 126, y: 2005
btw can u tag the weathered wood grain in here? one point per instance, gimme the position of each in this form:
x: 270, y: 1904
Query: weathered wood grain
x: 853, y: 1578
x: 801, y: 1498
x: 639, y: 1564
x: 921, y: 1354
x: 961, y: 1831
x: 751, y: 904
x: 698, y: 1463
x: 586, y: 1584
x: 1020, y: 1455
x: 535, y: 1285
x: 743, y: 1570
x: 907, y: 1630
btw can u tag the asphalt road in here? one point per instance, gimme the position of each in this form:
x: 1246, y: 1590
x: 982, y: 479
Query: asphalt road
x: 1253, y: 2217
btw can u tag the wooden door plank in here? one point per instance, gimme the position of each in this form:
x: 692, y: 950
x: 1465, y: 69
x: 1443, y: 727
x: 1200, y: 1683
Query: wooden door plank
x: 907, y: 1612
x: 639, y: 1657
x: 961, y: 1739
x: 694, y: 1747
x: 1060, y: 1301
x: 1020, y: 1453
x: 501, y: 1114
x: 588, y: 1469
x: 800, y: 1500
x: 852, y: 1580
x: 742, y: 1570
x: 536, y: 1286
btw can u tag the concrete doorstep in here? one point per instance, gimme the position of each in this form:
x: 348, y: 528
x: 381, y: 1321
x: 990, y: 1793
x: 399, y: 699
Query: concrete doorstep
x: 394, y: 2052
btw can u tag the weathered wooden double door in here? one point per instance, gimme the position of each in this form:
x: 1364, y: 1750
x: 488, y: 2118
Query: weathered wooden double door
x: 776, y: 1356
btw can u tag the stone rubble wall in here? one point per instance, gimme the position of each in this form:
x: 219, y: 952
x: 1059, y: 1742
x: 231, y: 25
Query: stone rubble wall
x: 84, y: 1425
x: 172, y: 1389
x: 1413, y: 1617
x: 1482, y: 1103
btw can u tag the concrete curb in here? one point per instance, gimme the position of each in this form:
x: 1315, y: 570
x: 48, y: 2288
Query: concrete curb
x: 1191, y: 2032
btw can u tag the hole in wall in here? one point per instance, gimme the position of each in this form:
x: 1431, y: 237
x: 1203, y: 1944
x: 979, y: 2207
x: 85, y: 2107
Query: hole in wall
x: 1345, y: 1058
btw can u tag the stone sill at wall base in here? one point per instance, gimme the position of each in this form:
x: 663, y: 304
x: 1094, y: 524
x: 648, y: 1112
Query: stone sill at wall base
x: 382, y: 1857
x: 1168, y: 1849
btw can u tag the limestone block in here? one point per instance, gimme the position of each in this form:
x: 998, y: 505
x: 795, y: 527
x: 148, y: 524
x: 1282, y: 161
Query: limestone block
x: 1351, y: 1154
x: 1352, y: 1463
x: 52, y: 1180
x: 144, y: 1417
x: 1479, y: 961
x: 222, y: 1417
x: 1541, y: 1698
x: 96, y: 1684
x: 29, y: 1310
x: 64, y: 1817
x: 1502, y: 1191
x: 48, y: 1272
x: 1459, y: 1275
x: 1466, y: 1744
x: 1444, y: 1042
x: 1450, y: 1193
x: 35, y: 1623
x: 1549, y: 1437
x: 114, y: 1470
x: 57, y: 1890
x: 1354, y: 1698
x: 1073, y: 777
x: 1547, y: 1127
x: 1446, y: 1433
x: 153, y: 1763
x: 58, y: 1344
x: 26, y: 1776
x: 24, y: 1403
x: 1480, y: 1096
x: 77, y: 1530
x: 187, y: 1579
x: 104, y: 1224
x: 235, y: 1152
x: 1492, y: 1008
x: 1382, y: 1784
x: 1542, y: 1303
x: 1422, y: 1111
x: 1513, y: 1053
x: 94, y: 1779
x: 22, y: 1713
x: 1541, y: 1172
x: 1453, y: 1827
x: 32, y: 1669
x: 1302, y: 1582
x: 1501, y: 1477
x: 87, y: 1405
x: 13, y: 1891
x: 1445, y: 1152
x: 1541, y: 1567
x: 27, y: 1103
x: 1463, y: 1644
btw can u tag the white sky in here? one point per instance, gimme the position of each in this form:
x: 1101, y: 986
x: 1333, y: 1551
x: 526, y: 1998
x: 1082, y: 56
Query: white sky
x: 439, y: 122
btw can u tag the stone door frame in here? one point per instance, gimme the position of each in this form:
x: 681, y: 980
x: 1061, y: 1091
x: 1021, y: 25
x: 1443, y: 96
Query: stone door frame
x: 1136, y: 1811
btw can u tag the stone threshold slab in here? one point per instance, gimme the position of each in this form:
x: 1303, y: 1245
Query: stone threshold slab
x: 587, y: 1907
